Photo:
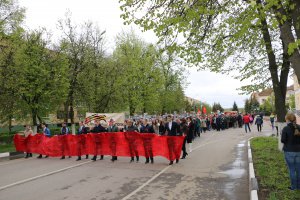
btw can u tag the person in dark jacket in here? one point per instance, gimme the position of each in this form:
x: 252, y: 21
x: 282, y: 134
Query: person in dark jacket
x: 98, y: 143
x: 147, y: 128
x: 113, y: 128
x: 290, y: 137
x: 47, y: 133
x: 190, y: 133
x: 131, y: 134
x: 184, y: 131
x: 82, y: 130
x: 171, y: 129
x: 258, y: 122
x: 63, y: 132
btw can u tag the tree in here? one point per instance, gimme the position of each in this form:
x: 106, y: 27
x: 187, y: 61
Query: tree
x: 83, y: 48
x: 41, y: 75
x: 291, y: 104
x: 254, y: 105
x: 11, y: 16
x: 247, y: 106
x: 151, y: 82
x: 235, y: 107
x: 255, y: 33
x: 216, y: 107
x: 10, y: 19
x: 268, y: 106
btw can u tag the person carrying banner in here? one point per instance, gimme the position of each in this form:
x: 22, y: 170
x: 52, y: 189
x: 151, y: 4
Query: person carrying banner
x: 28, y: 131
x: 98, y: 128
x: 47, y: 133
x: 63, y: 132
x: 172, y: 129
x: 147, y: 140
x: 131, y: 134
x: 113, y: 128
x: 82, y: 131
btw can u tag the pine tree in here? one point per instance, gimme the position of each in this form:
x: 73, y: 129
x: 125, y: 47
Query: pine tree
x: 235, y: 107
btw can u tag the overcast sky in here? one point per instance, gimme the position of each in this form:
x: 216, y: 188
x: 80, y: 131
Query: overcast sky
x: 204, y: 86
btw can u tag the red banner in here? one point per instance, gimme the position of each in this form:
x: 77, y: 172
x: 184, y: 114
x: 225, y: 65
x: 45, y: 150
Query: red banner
x: 117, y: 144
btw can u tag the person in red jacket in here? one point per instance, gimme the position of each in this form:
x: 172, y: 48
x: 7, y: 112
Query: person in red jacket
x: 246, y: 120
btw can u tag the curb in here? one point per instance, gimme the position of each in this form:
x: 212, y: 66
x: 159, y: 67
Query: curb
x: 11, y: 155
x: 253, y: 185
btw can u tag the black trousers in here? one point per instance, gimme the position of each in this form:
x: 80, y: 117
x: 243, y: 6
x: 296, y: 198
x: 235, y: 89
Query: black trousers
x: 258, y: 127
x: 183, y: 146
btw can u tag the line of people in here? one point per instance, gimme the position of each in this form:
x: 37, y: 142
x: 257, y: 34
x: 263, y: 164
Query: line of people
x: 168, y: 127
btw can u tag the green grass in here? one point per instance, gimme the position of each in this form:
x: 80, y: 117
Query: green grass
x: 271, y: 170
x: 7, y: 148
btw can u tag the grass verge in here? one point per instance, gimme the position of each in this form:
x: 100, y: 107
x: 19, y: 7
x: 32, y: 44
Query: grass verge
x: 271, y: 170
x: 7, y: 148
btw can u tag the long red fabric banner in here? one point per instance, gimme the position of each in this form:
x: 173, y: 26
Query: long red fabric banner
x: 117, y: 144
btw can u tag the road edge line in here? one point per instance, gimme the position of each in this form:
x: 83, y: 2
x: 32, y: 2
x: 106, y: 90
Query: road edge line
x: 42, y: 175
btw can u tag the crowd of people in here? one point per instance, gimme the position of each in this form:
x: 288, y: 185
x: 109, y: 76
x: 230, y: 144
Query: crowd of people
x: 191, y: 127
x: 168, y: 125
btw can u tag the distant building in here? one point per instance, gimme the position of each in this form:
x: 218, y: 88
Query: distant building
x: 262, y: 96
x: 192, y: 101
x: 297, y: 97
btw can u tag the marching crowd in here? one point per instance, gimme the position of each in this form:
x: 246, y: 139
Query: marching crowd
x: 169, y: 125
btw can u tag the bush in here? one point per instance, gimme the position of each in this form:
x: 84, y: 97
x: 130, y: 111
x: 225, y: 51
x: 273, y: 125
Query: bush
x: 6, y: 138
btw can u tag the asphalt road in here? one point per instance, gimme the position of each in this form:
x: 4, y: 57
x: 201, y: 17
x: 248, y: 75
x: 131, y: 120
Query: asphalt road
x: 217, y: 168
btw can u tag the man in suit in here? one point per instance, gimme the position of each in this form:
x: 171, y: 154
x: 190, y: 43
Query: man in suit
x: 172, y: 129
x: 147, y: 140
x: 98, y: 143
x: 113, y: 128
x: 81, y: 131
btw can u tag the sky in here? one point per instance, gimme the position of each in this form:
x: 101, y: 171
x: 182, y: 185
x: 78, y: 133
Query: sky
x: 203, y: 85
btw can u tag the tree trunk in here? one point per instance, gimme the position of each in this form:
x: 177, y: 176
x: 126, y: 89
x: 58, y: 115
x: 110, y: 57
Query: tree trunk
x: 66, y: 111
x: 287, y: 37
x: 34, y: 116
x: 296, y: 17
x: 72, y: 114
x: 34, y: 120
x: 279, y: 88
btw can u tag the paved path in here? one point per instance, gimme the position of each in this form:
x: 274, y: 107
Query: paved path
x: 216, y: 169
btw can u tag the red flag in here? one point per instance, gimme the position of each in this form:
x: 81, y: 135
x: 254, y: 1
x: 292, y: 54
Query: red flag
x: 204, y: 110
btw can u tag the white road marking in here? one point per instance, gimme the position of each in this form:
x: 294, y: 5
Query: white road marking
x: 161, y: 172
x: 42, y: 175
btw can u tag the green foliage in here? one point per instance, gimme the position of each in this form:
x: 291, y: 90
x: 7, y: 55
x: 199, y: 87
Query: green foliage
x: 291, y: 104
x: 41, y: 75
x: 11, y: 16
x: 268, y: 106
x: 254, y: 39
x: 247, y: 106
x: 6, y: 138
x: 216, y: 107
x: 150, y: 82
x: 7, y: 148
x: 252, y: 105
x: 271, y: 170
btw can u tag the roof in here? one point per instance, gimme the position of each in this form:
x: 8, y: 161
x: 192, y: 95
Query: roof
x: 268, y: 91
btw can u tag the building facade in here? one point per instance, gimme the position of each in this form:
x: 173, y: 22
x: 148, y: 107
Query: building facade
x: 262, y: 96
x: 297, y: 97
